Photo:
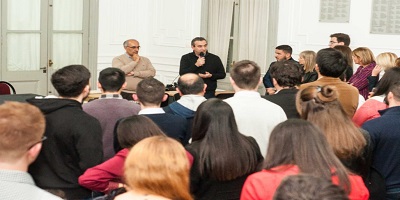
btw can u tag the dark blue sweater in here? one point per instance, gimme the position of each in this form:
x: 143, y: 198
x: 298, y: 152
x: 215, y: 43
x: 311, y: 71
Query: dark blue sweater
x: 385, y: 141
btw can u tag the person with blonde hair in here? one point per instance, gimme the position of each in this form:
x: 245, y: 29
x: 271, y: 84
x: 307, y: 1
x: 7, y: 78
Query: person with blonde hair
x: 157, y: 168
x: 307, y: 60
x: 384, y: 61
x: 364, y: 57
x: 320, y: 106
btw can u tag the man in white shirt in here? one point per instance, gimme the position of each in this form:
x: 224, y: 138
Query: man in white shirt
x: 255, y: 116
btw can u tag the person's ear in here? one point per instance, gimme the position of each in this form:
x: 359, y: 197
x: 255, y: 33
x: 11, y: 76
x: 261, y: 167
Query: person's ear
x: 165, y: 97
x: 124, y: 85
x: 33, y: 152
x: 232, y: 81
x: 205, y: 87
x: 135, y: 97
x: 99, y: 85
x: 316, y: 68
x: 274, y: 82
x: 341, y: 43
x: 179, y: 91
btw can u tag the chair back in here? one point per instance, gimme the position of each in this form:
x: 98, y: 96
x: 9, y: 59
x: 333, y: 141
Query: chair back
x: 6, y: 88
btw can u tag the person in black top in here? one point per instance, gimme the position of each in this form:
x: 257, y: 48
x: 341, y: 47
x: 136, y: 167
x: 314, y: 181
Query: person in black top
x: 282, y: 52
x: 207, y: 65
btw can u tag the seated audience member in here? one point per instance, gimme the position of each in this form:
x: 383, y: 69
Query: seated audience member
x: 308, y: 187
x: 330, y: 66
x: 351, y: 145
x: 307, y: 60
x: 74, y: 140
x: 297, y: 146
x: 286, y: 76
x: 150, y: 93
x: 255, y: 116
x: 385, y: 137
x: 135, y: 67
x: 166, y: 176
x: 110, y: 106
x: 369, y: 110
x: 108, y: 175
x: 364, y: 57
x: 21, y: 130
x: 339, y: 39
x: 384, y: 61
x: 282, y: 52
x: 191, y: 88
x: 348, y: 55
x: 223, y: 157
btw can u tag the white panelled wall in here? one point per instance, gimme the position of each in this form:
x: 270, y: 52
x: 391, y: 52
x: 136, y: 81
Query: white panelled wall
x: 299, y: 27
x: 165, y: 29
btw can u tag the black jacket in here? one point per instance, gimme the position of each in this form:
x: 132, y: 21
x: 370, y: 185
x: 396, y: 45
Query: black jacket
x: 74, y: 144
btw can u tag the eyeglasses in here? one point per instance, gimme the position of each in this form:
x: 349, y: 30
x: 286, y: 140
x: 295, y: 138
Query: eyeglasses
x: 40, y: 141
x: 333, y: 42
x: 135, y: 47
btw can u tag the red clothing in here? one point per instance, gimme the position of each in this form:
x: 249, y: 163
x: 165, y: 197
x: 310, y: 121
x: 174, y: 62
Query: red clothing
x: 262, y: 185
x: 369, y: 110
x: 106, y: 176
x: 360, y: 79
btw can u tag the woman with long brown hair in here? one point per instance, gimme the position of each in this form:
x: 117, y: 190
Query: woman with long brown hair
x: 320, y: 106
x: 297, y: 146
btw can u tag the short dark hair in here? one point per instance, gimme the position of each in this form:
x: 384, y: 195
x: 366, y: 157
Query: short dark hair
x: 308, y: 187
x: 197, y: 39
x: 111, y: 79
x: 150, y: 91
x: 331, y: 62
x: 287, y: 73
x: 285, y: 48
x: 194, y: 85
x: 388, y: 79
x: 395, y: 89
x: 342, y: 37
x: 131, y: 130
x: 71, y: 80
x: 246, y: 74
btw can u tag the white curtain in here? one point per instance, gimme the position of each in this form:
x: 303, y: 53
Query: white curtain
x: 253, y: 31
x: 219, y: 27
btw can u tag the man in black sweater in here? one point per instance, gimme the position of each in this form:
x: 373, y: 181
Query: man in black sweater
x: 207, y: 65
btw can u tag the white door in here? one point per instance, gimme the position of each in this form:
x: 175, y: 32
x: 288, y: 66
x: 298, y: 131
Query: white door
x: 39, y: 37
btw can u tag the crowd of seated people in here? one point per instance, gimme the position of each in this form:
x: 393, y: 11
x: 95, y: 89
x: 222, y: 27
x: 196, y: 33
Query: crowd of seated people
x: 320, y: 132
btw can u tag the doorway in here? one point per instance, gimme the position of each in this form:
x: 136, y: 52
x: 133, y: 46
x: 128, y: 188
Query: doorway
x: 41, y: 36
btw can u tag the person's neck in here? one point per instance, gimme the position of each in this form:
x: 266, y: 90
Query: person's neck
x: 149, y: 106
x: 19, y: 165
x: 115, y: 92
x: 79, y: 98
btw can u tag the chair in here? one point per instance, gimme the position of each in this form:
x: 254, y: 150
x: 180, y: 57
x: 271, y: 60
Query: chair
x: 6, y: 88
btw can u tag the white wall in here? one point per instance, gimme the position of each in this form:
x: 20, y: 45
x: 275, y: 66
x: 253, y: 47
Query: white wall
x: 163, y: 28
x: 299, y: 27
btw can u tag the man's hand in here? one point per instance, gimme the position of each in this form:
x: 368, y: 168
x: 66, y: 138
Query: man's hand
x: 132, y: 73
x: 200, y: 61
x: 136, y: 57
x: 206, y: 75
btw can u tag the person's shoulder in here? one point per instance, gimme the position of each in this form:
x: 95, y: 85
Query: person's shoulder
x: 188, y: 55
x: 119, y: 56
